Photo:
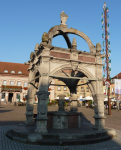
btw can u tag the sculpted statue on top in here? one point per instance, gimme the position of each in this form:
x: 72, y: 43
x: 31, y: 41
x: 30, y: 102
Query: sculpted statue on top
x: 64, y: 18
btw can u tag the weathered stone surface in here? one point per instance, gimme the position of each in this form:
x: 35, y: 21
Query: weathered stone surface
x: 50, y: 60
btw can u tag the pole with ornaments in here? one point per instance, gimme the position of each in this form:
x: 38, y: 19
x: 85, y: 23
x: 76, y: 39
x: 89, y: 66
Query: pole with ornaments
x: 106, y: 52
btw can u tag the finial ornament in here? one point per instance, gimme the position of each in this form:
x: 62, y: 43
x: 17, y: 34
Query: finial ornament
x: 98, y: 47
x: 74, y: 44
x: 36, y: 48
x: 32, y: 55
x: 64, y: 18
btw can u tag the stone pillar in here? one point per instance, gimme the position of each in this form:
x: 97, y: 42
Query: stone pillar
x: 6, y: 96
x: 99, y: 111
x: 29, y: 104
x: 61, y: 102
x: 42, y: 112
x: 43, y: 93
x: 29, y: 110
x: 73, y: 104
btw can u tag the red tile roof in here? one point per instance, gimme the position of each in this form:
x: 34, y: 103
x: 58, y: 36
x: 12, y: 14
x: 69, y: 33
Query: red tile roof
x: 117, y: 76
x: 13, y: 67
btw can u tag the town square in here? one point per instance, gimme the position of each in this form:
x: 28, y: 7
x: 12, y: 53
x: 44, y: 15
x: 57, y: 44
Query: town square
x: 61, y: 97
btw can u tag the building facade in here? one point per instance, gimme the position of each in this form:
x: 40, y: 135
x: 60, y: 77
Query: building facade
x: 13, y: 82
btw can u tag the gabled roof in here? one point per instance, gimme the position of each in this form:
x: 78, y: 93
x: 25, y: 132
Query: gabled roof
x: 118, y: 76
x: 13, y: 67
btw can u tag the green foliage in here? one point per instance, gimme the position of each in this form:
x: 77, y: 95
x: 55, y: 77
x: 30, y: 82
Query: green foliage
x: 90, y: 102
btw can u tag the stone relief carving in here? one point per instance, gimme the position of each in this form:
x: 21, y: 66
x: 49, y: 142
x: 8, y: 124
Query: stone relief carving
x: 30, y: 107
x: 42, y: 95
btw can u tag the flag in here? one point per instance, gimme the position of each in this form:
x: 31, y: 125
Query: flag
x: 109, y: 65
x: 109, y: 51
x: 109, y: 54
x: 102, y: 15
x: 118, y: 88
x: 107, y: 10
x: 104, y: 70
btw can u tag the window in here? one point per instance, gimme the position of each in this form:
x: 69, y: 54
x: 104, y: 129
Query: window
x: 81, y: 80
x: 6, y: 71
x: 82, y: 89
x: 18, y: 96
x: 77, y: 89
x: 87, y: 89
x: 112, y: 80
x: 59, y: 88
x: 112, y: 89
x: 18, y: 83
x: 25, y: 84
x: 11, y: 83
x: 4, y: 82
x: 3, y: 95
x: 12, y: 71
x: 19, y: 72
x: 64, y: 88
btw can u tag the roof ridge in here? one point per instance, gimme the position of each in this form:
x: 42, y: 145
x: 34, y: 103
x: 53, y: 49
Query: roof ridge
x: 11, y: 62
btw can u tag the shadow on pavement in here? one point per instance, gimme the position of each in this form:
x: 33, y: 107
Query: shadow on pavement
x: 3, y: 111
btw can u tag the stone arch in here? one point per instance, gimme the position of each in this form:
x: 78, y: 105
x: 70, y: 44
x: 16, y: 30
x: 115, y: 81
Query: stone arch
x: 81, y: 69
x: 66, y: 37
x: 55, y: 31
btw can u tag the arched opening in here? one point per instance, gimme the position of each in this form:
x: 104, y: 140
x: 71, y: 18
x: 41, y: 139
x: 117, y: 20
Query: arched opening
x: 82, y: 87
x: 81, y: 43
x: 59, y: 41
x: 54, y: 31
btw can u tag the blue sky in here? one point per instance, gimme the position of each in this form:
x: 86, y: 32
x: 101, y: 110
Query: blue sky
x: 22, y: 23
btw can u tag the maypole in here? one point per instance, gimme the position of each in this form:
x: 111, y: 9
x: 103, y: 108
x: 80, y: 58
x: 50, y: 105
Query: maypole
x: 106, y: 52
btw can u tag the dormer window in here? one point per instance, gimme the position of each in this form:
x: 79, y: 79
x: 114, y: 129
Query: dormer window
x: 12, y: 71
x: 6, y: 71
x: 19, y: 72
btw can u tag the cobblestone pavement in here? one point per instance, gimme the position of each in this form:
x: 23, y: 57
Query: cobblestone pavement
x: 7, y: 120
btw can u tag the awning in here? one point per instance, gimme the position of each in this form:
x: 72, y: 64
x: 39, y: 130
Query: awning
x: 81, y: 100
x: 88, y: 98
x: 66, y: 98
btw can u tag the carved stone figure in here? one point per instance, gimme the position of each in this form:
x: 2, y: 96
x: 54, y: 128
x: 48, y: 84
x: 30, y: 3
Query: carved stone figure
x: 36, y: 48
x: 64, y: 18
x: 98, y: 47
x: 32, y: 55
x: 45, y: 38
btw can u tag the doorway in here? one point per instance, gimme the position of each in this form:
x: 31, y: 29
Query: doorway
x: 10, y: 97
